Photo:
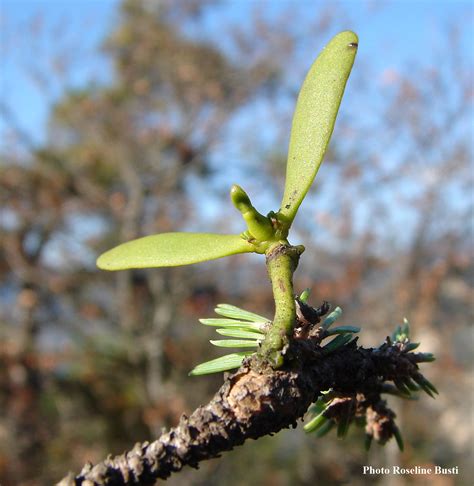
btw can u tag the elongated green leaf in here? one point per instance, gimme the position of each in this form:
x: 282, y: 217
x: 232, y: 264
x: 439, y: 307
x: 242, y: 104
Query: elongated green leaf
x: 399, y: 438
x: 231, y: 323
x: 368, y: 442
x: 401, y: 387
x: 224, y: 363
x: 343, y: 330
x: 410, y: 347
x: 411, y: 385
x: 315, y: 424
x: 234, y: 343
x: 305, y: 296
x: 325, y: 429
x: 424, y: 357
x: 343, y: 426
x: 337, y: 342
x: 232, y: 311
x: 392, y: 390
x: 314, y: 118
x: 172, y: 249
x: 332, y: 318
x: 238, y: 333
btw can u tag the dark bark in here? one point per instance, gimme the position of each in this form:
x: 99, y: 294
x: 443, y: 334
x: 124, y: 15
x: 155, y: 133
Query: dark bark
x: 257, y: 400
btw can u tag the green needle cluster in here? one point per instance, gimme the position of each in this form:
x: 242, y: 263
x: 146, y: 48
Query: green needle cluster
x: 247, y: 328
x: 338, y: 411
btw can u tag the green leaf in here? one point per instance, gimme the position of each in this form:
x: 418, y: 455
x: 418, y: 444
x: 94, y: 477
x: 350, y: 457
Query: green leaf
x: 368, y: 442
x: 314, y: 118
x: 402, y: 387
x: 424, y: 357
x: 238, y: 333
x: 406, y: 328
x: 234, y: 343
x: 410, y: 347
x: 224, y: 363
x: 231, y: 323
x: 332, y: 318
x: 343, y: 426
x: 325, y: 429
x: 319, y: 406
x: 232, y: 311
x: 398, y: 438
x: 316, y: 423
x: 411, y: 385
x: 391, y: 390
x: 337, y: 342
x: 426, y: 385
x: 172, y: 249
x: 305, y: 296
x: 343, y: 330
x: 396, y: 334
x: 431, y: 386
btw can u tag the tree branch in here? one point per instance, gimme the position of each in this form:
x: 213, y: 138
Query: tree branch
x: 257, y: 401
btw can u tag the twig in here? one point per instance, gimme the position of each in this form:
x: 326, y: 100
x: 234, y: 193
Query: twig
x: 256, y: 401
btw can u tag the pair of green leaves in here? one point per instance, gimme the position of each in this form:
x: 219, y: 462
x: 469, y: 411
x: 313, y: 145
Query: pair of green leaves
x: 313, y: 123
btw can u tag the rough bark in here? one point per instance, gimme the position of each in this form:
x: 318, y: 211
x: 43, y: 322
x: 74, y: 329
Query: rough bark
x: 257, y: 400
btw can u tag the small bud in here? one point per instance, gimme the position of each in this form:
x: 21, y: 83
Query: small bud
x: 240, y: 199
x: 258, y: 225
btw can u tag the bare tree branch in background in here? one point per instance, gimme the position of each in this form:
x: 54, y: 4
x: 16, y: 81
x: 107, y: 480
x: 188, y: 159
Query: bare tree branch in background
x: 91, y: 362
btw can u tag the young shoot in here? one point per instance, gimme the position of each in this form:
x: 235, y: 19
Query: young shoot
x: 313, y: 123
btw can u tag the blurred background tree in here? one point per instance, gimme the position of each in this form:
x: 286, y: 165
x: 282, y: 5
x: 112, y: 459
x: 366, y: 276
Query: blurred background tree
x: 192, y: 96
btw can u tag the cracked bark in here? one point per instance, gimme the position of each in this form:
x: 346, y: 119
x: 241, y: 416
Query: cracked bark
x: 256, y: 401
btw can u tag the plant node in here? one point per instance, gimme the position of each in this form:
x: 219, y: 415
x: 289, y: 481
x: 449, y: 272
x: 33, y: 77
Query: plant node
x: 259, y: 226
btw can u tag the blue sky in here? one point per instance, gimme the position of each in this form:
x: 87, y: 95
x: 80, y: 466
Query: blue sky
x: 391, y: 33
x: 87, y: 22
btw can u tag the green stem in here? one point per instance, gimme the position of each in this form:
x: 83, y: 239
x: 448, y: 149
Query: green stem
x: 282, y: 260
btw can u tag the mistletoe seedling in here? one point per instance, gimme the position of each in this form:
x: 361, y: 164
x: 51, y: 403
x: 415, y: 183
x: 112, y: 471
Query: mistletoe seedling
x: 294, y: 320
x: 313, y: 123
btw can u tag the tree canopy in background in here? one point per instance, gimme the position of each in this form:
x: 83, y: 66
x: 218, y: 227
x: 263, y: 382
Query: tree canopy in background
x: 92, y: 362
